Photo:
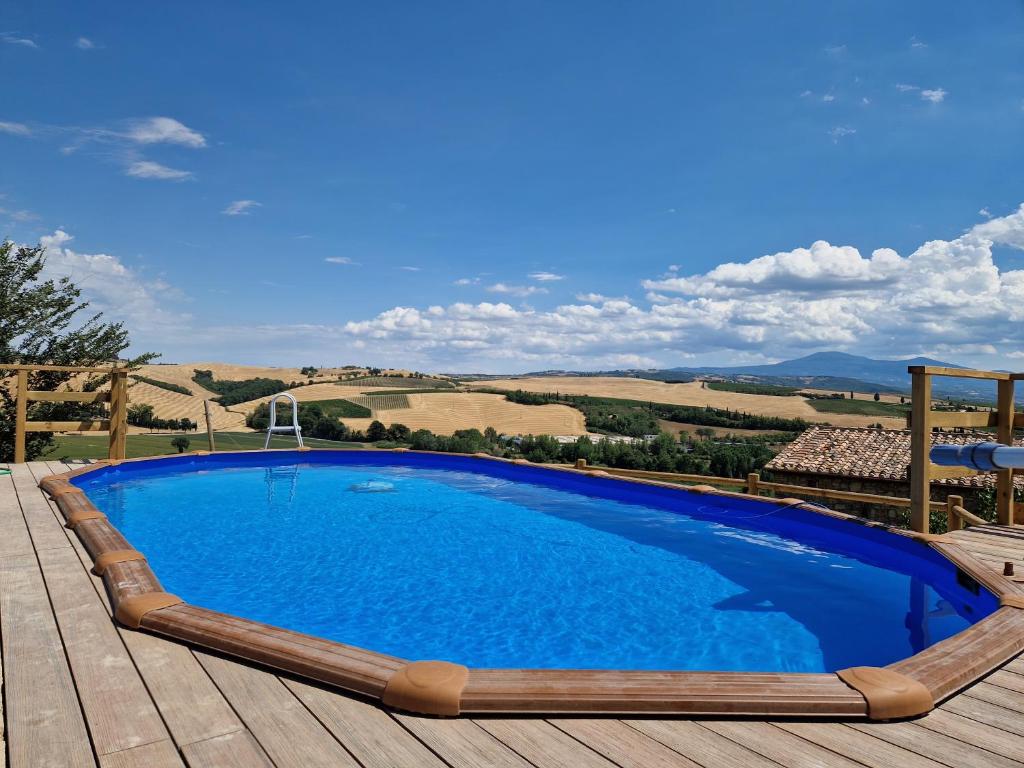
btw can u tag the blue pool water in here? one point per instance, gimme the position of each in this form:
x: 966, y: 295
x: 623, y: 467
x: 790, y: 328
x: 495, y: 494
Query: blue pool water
x: 496, y: 565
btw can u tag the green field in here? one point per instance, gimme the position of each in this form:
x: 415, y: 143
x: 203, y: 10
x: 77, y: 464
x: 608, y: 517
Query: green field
x: 339, y: 409
x: 396, y: 382
x: 863, y: 407
x: 95, y: 446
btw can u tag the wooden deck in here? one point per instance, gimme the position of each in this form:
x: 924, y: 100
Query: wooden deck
x: 80, y: 691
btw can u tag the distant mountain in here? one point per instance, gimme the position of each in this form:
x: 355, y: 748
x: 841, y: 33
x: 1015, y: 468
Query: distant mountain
x: 836, y: 364
x: 890, y: 374
x: 838, y: 371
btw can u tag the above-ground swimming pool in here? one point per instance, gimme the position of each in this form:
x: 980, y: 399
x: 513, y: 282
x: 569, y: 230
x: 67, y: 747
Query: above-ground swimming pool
x: 505, y: 567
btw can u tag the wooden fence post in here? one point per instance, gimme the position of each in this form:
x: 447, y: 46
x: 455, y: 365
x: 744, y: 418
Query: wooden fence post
x: 920, y: 445
x: 581, y: 463
x: 953, y: 521
x: 20, y: 411
x: 752, y: 482
x: 209, y: 425
x: 1004, y: 434
x: 118, y: 413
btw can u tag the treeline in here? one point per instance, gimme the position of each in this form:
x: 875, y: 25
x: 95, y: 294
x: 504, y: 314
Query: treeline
x: 233, y: 392
x: 163, y: 385
x: 635, y: 418
x: 316, y: 421
x: 141, y: 415
x: 750, y: 388
x: 661, y: 454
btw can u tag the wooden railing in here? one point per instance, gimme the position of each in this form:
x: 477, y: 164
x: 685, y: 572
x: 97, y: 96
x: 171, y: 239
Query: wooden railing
x: 922, y: 419
x: 754, y: 485
x: 117, y: 397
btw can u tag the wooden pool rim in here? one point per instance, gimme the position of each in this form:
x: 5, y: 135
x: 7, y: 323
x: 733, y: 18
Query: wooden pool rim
x: 906, y: 688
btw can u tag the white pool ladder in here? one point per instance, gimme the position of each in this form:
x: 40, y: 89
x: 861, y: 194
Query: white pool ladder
x: 293, y: 428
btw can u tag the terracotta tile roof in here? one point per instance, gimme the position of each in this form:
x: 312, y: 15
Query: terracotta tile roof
x: 882, y: 454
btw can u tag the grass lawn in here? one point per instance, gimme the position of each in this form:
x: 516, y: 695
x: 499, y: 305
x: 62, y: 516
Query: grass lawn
x: 864, y: 407
x: 96, y: 446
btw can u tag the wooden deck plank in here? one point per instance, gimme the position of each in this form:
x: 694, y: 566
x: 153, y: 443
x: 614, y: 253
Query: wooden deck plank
x: 986, y: 712
x: 36, y: 510
x: 1007, y: 678
x: 118, y: 710
x: 624, y: 746
x: 282, y: 725
x: 158, y: 754
x: 231, y: 750
x: 973, y: 732
x: 14, y: 538
x: 543, y: 744
x: 44, y: 721
x: 192, y: 707
x: 937, y: 746
x: 701, y: 744
x: 367, y: 731
x: 864, y: 748
x: 461, y: 743
x: 775, y: 744
x: 1004, y: 697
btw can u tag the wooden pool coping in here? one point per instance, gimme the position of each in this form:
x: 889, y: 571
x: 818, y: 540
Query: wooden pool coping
x: 906, y: 688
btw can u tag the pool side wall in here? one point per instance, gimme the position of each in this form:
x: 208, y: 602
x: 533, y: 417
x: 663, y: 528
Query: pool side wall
x: 904, y: 689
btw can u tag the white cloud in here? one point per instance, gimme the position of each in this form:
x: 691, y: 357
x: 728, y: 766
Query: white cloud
x: 945, y: 295
x: 915, y: 43
x: 545, y: 277
x: 835, y: 50
x: 163, y: 130
x: 985, y: 212
x: 241, y: 207
x: 115, y: 289
x: 85, y: 44
x: 147, y: 169
x: 15, y: 40
x: 516, y: 290
x: 410, y: 269
x: 467, y: 281
x: 828, y: 97
x: 904, y: 87
x: 340, y: 260
x: 935, y: 96
x: 841, y: 132
x: 17, y: 129
x: 20, y: 216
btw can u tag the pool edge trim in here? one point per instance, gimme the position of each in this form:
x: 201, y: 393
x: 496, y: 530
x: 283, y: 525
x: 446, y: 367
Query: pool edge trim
x: 941, y: 670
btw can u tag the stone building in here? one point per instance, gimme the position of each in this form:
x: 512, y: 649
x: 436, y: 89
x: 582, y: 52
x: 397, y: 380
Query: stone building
x: 875, y: 461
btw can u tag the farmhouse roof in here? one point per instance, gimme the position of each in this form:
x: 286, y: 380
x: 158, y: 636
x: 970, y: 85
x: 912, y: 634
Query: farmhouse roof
x: 868, y: 453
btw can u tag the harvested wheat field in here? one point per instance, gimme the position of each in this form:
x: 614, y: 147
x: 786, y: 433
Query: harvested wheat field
x: 443, y: 413
x: 690, y: 393
x: 172, y: 405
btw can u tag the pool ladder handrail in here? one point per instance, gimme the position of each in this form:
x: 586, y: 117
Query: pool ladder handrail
x: 293, y: 428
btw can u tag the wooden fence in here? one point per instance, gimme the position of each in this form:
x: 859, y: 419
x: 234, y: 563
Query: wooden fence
x: 117, y: 397
x: 754, y: 485
x: 922, y: 420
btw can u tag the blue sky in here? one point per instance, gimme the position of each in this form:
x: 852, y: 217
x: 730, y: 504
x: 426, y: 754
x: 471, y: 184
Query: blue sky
x: 514, y: 186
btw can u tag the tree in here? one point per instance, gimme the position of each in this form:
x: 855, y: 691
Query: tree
x: 181, y: 443
x: 877, y: 397
x: 399, y: 433
x: 44, y: 322
x: 309, y: 371
x: 376, y: 431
